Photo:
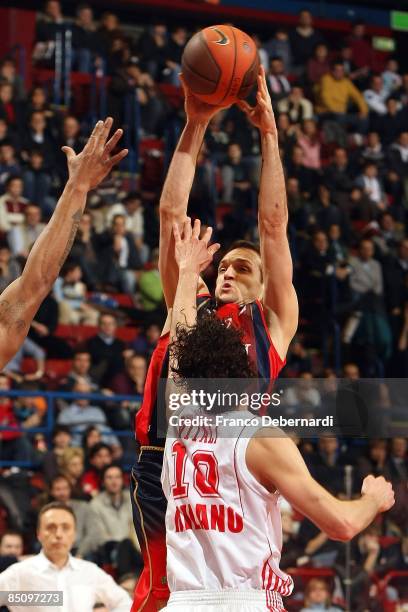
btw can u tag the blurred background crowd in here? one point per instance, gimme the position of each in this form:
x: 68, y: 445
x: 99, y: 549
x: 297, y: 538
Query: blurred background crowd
x: 342, y: 115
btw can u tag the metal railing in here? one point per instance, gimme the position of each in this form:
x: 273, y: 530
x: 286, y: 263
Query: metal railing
x: 50, y: 415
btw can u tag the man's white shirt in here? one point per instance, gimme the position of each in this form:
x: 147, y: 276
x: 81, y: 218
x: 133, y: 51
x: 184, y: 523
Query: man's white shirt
x: 83, y: 584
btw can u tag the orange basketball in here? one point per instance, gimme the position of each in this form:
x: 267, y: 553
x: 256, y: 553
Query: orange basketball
x: 220, y: 64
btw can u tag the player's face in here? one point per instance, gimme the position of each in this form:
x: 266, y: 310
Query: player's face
x: 239, y: 277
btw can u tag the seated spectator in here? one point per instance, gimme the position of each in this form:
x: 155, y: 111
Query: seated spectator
x: 327, y: 465
x: 327, y: 213
x: 11, y: 548
x: 80, y: 369
x: 91, y: 436
x: 279, y: 46
x: 366, y: 276
x: 108, y: 31
x: 72, y: 467
x: 51, y: 22
x: 303, y: 40
x: 71, y: 137
x: 51, y: 461
x: 38, y: 137
x: 172, y: 54
x: 369, y: 182
x: 336, y: 92
x: 309, y: 141
x: 152, y: 49
x: 12, y: 204
x: 216, y: 139
x: 9, y: 165
x: 318, y: 597
x: 318, y: 65
x: 376, y: 96
x: 125, y: 82
x: 278, y: 84
x: 70, y: 293
x: 338, y: 176
x: 296, y: 105
x: 202, y: 202
x: 14, y: 366
x: 132, y: 380
x: 10, y: 269
x: 391, y: 78
x: 392, y: 124
x: 8, y: 74
x: 84, y: 252
x: 235, y: 176
x: 8, y: 107
x: 14, y: 444
x: 80, y: 413
x: 132, y: 210
x: 37, y: 181
x: 84, y: 39
x: 373, y: 151
x: 397, y: 462
x: 99, y: 457
x: 287, y: 134
x: 387, y: 237
x: 113, y: 512
x: 38, y: 101
x: 351, y: 70
x: 374, y: 461
x: 398, y: 155
x: 360, y: 46
x: 22, y: 236
x: 43, y: 327
x: 87, y: 532
x: 5, y: 134
x: 402, y: 93
x: 106, y: 350
x: 296, y: 168
x: 120, y: 256
x: 145, y: 342
x: 30, y: 410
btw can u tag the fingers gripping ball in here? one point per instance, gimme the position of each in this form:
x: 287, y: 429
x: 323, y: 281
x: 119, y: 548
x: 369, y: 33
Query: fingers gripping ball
x: 220, y: 65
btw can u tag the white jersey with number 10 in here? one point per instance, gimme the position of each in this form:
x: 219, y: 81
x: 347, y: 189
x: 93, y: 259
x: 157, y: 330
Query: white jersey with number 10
x: 223, y: 527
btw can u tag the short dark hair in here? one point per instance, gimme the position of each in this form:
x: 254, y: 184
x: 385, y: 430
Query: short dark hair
x: 10, y: 532
x: 60, y: 477
x: 12, y: 178
x: 109, y: 467
x: 61, y: 429
x: 55, y: 506
x: 97, y: 447
x: 132, y: 195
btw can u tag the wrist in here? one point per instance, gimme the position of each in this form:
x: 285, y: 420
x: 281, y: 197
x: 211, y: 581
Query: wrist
x: 188, y: 269
x: 76, y: 186
x: 199, y: 123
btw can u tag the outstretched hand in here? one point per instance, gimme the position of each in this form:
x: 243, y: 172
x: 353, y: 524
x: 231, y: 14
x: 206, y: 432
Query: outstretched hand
x: 261, y: 116
x: 195, y: 109
x: 191, y: 251
x: 88, y: 168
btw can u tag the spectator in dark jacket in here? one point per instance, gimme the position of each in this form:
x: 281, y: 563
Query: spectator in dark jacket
x: 106, y: 350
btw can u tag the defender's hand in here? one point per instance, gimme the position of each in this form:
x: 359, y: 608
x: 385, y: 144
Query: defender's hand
x: 193, y: 253
x: 261, y: 116
x: 88, y: 168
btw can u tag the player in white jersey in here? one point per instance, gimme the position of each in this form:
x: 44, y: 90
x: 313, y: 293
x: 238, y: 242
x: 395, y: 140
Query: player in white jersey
x: 223, y: 523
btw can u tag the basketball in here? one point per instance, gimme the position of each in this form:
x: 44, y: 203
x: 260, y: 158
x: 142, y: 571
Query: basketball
x: 220, y: 65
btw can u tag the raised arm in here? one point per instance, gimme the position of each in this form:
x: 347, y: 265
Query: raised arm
x: 22, y: 298
x: 177, y: 187
x: 192, y: 256
x: 278, y: 465
x: 279, y: 294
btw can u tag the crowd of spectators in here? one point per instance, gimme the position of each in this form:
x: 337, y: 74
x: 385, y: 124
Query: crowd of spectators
x: 342, y: 119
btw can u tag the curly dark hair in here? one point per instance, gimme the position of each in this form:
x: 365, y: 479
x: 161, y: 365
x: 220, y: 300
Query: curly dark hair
x: 208, y: 350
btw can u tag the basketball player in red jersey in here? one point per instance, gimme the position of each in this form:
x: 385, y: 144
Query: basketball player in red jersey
x: 254, y: 291
x: 223, y: 480
x: 20, y: 301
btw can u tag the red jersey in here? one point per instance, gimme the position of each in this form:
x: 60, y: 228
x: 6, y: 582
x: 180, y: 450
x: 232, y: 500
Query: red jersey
x: 256, y: 337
